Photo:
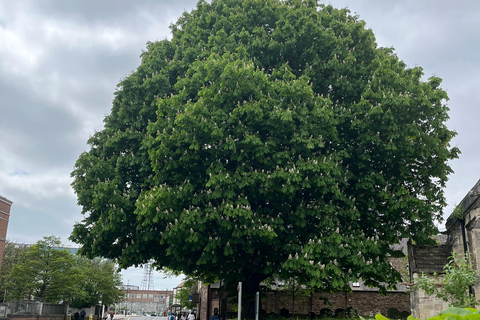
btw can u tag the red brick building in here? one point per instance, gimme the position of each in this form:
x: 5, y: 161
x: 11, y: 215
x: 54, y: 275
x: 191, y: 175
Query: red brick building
x: 145, y: 301
x: 5, y: 206
x: 161, y: 296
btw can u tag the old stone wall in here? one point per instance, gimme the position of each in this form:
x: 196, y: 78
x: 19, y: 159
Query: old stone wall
x: 455, y: 238
x: 472, y: 230
x: 424, y: 306
x: 470, y: 227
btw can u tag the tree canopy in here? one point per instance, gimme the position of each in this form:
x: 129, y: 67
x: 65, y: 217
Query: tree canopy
x: 47, y: 270
x: 100, y: 281
x: 11, y: 257
x: 266, y: 138
x: 44, y: 270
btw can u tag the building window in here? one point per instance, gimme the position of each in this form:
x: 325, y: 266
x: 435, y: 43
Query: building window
x: 133, y: 295
x: 144, y: 296
x: 156, y: 298
x: 150, y: 296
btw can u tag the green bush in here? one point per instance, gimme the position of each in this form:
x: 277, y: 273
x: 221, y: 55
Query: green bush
x: 453, y: 286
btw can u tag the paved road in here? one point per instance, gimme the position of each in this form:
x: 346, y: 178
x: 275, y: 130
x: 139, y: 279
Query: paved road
x: 121, y: 317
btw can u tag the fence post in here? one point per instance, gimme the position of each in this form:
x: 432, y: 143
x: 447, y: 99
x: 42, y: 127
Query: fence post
x: 257, y: 305
x: 239, y: 313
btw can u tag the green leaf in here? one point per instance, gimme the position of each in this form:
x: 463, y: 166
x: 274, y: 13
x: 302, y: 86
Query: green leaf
x: 458, y: 311
x: 378, y: 316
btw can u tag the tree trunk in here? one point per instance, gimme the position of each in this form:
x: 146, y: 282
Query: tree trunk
x: 250, y: 289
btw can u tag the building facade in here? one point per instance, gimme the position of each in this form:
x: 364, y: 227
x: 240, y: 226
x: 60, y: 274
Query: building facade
x: 5, y: 206
x: 145, y: 301
x: 461, y: 237
x: 427, y: 260
x: 175, y: 291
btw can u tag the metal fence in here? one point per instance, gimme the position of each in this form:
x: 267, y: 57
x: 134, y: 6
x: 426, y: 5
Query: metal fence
x: 49, y: 308
x: 3, y: 310
x: 30, y: 307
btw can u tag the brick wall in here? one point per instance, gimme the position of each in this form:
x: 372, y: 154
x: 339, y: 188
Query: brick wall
x: 148, y: 295
x: 367, y: 303
x: 202, y: 312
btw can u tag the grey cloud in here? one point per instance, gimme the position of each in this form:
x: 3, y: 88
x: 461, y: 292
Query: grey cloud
x: 57, y: 79
x: 36, y: 216
x: 123, y: 13
x: 45, y: 130
x: 423, y: 32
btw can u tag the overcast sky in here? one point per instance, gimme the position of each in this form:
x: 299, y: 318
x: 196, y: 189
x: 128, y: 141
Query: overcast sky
x: 61, y: 60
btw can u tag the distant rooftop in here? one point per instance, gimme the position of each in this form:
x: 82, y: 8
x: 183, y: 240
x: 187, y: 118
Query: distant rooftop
x: 429, y: 259
x: 71, y: 250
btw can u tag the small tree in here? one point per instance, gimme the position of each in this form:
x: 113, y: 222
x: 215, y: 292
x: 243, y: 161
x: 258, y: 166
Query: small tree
x: 453, y: 287
x: 297, y: 291
x: 99, y: 282
x: 46, y: 270
x: 11, y: 257
x: 183, y: 295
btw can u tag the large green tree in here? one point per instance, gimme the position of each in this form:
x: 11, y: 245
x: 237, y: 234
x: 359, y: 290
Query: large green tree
x: 266, y: 137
